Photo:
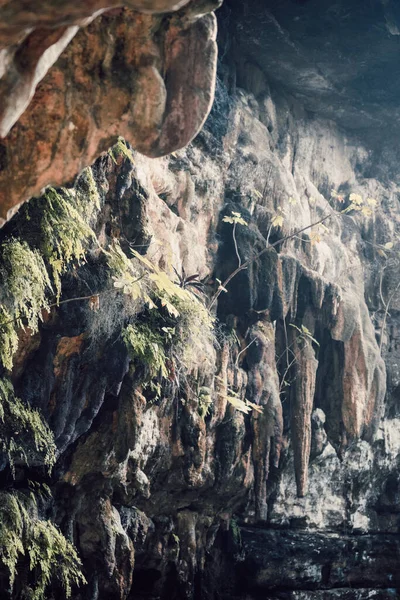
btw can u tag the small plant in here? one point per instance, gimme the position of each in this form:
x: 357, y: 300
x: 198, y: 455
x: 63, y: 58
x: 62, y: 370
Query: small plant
x: 24, y: 538
x: 148, y: 347
x: 244, y: 406
x: 304, y: 334
x: 189, y: 281
x: 23, y: 431
x: 205, y: 401
x: 25, y: 282
x: 235, y: 219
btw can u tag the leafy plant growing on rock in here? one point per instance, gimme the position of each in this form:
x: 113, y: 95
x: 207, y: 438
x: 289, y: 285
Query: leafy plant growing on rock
x: 23, y: 432
x: 31, y: 268
x: 244, y: 406
x: 356, y: 204
x: 176, y: 336
x: 189, y: 281
x: 25, y: 283
x: 48, y: 555
x: 148, y: 347
x: 65, y: 229
x: 24, y: 538
x: 236, y: 219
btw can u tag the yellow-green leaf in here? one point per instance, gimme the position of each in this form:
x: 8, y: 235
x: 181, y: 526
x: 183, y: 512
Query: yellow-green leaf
x: 277, y: 220
x: 356, y: 199
x: 366, y: 211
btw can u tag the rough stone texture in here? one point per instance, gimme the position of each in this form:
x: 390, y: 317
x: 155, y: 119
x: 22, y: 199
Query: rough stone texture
x: 318, y: 560
x: 147, y: 77
x: 301, y: 501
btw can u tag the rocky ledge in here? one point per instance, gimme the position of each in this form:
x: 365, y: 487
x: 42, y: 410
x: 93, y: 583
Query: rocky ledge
x: 148, y: 76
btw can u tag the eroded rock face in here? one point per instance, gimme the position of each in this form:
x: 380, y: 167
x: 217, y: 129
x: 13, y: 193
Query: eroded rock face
x: 148, y: 77
x: 148, y: 488
x: 164, y: 498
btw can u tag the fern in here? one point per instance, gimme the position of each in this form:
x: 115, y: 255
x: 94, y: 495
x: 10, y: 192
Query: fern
x: 58, y: 226
x: 22, y: 430
x: 24, y: 537
x: 64, y: 232
x: 25, y: 284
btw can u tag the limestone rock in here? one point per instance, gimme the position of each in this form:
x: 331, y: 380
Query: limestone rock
x: 167, y: 490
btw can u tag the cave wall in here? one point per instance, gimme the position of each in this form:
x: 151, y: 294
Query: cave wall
x: 162, y: 501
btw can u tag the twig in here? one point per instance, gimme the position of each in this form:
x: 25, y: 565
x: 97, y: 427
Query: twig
x: 285, y: 373
x: 241, y: 352
x: 386, y: 314
x: 248, y: 262
x: 97, y: 295
x: 73, y: 300
x: 284, y: 352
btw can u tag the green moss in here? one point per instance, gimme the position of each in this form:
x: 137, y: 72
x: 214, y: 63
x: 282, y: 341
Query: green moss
x: 193, y: 344
x: 147, y: 346
x: 120, y: 148
x: 53, y: 232
x: 24, y: 293
x: 23, y: 433
x: 65, y: 234
x: 87, y: 197
x: 24, y: 538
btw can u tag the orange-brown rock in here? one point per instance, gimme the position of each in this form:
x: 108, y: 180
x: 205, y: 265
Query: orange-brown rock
x: 147, y: 77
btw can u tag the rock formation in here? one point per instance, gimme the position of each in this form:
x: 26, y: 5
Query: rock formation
x: 195, y: 435
x: 149, y: 77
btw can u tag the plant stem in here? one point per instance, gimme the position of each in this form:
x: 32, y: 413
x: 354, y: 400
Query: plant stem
x: 386, y: 314
x: 248, y: 262
x: 73, y: 300
x: 241, y: 352
x: 236, y: 246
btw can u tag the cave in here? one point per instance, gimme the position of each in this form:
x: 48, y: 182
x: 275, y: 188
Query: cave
x: 199, y: 300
